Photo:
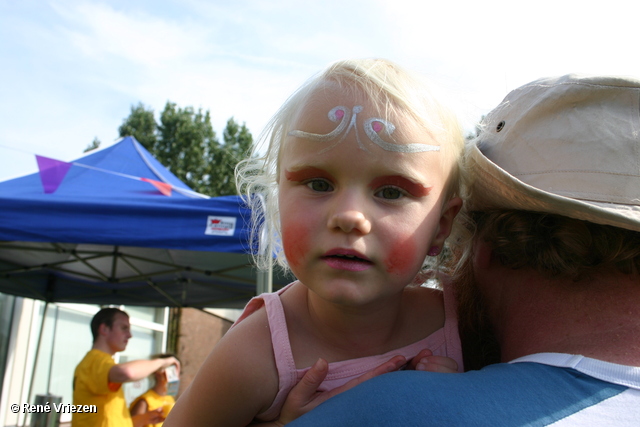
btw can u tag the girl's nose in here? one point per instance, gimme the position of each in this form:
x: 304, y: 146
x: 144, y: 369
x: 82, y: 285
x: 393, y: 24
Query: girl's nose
x: 348, y: 218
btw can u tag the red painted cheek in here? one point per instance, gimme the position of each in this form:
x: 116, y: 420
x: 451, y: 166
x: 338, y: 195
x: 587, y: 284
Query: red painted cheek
x: 295, y: 240
x: 402, y: 257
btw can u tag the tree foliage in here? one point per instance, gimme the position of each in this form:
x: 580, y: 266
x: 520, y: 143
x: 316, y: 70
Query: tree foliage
x: 187, y: 145
x: 184, y: 141
x: 94, y: 144
x: 141, y: 124
x: 237, y: 143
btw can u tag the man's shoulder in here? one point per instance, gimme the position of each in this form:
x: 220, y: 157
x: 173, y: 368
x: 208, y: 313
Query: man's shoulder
x: 96, y: 356
x: 501, y: 394
x: 94, y: 367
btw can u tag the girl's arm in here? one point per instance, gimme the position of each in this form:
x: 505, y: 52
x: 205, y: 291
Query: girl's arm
x: 426, y: 361
x: 237, y: 381
x: 304, y: 396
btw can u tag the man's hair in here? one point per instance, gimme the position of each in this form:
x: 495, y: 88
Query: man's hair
x: 555, y: 245
x: 552, y: 245
x: 104, y: 316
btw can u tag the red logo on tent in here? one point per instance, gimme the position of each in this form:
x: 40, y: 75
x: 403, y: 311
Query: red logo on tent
x: 221, y: 225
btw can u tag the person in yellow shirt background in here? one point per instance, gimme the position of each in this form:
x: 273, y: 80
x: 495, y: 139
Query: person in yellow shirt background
x: 158, y: 396
x: 98, y: 380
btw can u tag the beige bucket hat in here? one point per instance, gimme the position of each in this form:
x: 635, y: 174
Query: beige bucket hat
x: 568, y: 145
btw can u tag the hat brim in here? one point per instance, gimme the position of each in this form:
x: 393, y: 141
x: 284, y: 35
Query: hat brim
x: 494, y: 188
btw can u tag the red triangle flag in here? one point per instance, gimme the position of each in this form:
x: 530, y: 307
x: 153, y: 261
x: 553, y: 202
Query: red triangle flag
x: 161, y: 186
x: 52, y: 172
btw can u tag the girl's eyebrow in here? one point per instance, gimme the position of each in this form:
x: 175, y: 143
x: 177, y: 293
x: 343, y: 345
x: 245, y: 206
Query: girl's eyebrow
x: 415, y: 189
x: 304, y: 173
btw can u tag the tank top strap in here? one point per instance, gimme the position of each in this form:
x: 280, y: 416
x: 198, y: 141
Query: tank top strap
x: 283, y: 356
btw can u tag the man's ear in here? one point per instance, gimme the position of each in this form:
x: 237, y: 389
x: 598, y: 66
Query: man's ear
x: 445, y: 225
x: 103, y: 329
x: 482, y: 254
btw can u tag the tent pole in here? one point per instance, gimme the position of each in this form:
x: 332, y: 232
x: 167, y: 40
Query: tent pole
x: 51, y: 282
x: 270, y: 277
x: 35, y: 361
x: 265, y: 278
x: 265, y: 281
x: 53, y: 345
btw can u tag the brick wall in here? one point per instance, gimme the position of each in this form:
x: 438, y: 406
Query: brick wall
x: 199, y: 332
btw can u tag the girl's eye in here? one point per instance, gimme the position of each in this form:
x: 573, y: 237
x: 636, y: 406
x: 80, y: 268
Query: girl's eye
x: 389, y: 193
x: 319, y: 185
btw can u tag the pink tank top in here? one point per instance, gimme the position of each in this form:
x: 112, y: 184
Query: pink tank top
x: 443, y: 342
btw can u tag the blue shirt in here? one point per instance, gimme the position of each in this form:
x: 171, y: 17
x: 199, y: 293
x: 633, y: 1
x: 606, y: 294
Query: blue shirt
x: 537, y: 390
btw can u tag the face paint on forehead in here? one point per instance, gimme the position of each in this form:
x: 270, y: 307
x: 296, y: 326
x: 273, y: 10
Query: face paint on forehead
x: 372, y: 127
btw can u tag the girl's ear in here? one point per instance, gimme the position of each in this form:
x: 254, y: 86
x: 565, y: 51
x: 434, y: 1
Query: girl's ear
x: 448, y: 215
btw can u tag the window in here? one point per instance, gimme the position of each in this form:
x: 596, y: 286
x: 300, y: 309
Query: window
x: 66, y: 338
x: 6, y: 314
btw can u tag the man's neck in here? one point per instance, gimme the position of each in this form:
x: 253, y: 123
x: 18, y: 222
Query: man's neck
x: 102, y: 346
x: 599, y: 318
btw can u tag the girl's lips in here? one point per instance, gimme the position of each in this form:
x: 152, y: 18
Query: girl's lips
x: 342, y: 259
x: 346, y: 253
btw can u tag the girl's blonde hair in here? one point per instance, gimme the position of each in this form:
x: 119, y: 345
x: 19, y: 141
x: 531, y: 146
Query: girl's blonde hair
x: 395, y: 91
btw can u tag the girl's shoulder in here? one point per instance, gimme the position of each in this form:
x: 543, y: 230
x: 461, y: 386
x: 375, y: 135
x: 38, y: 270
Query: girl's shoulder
x: 259, y: 302
x: 264, y: 313
x: 241, y: 359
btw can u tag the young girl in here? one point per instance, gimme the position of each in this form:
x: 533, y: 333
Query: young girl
x: 360, y: 184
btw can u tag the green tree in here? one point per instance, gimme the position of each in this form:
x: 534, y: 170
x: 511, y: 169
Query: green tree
x: 237, y: 143
x: 187, y: 145
x: 142, y: 125
x: 184, y: 141
x: 94, y: 144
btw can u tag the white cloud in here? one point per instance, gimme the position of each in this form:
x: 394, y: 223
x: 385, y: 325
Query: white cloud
x: 104, y: 33
x: 76, y: 66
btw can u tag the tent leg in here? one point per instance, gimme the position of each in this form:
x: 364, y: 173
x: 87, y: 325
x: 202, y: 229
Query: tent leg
x: 53, y: 341
x: 265, y: 281
x: 35, y: 362
x: 265, y: 278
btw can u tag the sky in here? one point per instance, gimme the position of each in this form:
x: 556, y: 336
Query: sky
x: 70, y: 70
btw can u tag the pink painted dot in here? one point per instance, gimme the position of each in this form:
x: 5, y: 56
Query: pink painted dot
x: 377, y: 126
x: 339, y: 114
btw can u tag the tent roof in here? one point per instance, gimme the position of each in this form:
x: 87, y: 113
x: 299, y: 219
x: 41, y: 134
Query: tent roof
x: 106, y: 237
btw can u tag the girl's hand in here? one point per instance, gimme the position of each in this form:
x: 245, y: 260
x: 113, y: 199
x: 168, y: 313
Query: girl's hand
x: 426, y: 361
x: 304, y: 396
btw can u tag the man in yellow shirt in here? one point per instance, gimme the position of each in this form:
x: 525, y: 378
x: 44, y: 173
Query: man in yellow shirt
x: 98, y: 379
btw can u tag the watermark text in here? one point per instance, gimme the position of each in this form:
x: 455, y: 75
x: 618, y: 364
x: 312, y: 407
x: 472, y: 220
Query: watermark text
x: 62, y: 408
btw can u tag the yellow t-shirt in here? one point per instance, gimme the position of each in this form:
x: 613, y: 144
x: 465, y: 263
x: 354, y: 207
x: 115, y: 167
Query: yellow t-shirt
x: 154, y: 401
x: 91, y: 386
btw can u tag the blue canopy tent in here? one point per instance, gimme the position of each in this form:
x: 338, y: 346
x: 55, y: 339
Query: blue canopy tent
x: 105, y: 236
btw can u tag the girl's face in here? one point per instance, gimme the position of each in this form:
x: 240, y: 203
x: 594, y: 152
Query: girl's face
x: 358, y: 219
